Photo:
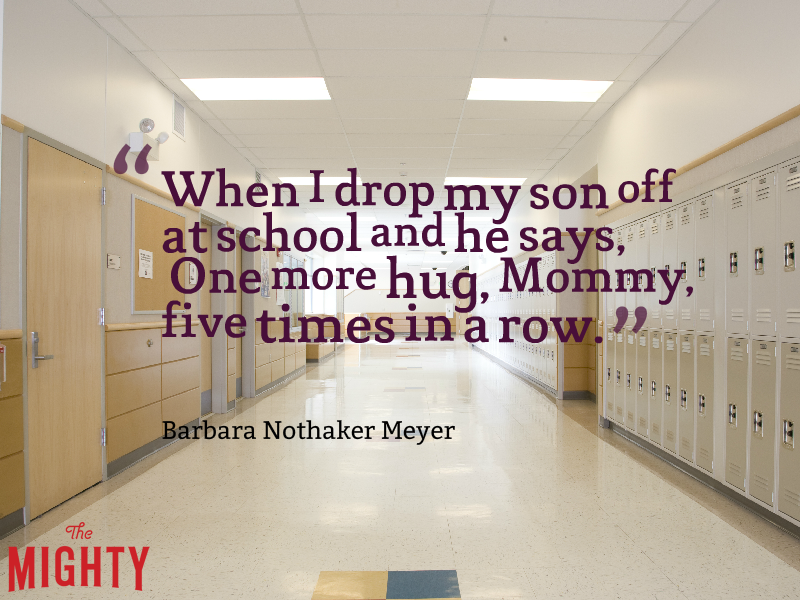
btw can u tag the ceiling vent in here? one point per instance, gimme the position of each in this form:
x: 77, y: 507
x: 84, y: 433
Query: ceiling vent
x: 258, y: 177
x: 178, y: 119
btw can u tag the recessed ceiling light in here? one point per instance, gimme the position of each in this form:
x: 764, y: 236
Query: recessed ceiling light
x: 275, y: 88
x: 322, y: 180
x: 537, y: 90
x: 484, y: 180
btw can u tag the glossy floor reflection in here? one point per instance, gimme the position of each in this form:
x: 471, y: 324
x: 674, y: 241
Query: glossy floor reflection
x: 525, y: 501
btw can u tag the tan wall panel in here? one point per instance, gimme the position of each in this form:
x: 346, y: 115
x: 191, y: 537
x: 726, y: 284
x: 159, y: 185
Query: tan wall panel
x: 301, y: 349
x: 278, y: 368
x: 575, y: 379
x: 179, y: 377
x: 263, y: 375
x: 231, y: 361
x: 178, y: 348
x: 131, y: 390
x: 13, y: 383
x: 262, y: 354
x: 205, y: 308
x: 12, y: 484
x: 127, y: 350
x: 11, y: 432
x: 278, y: 350
x: 231, y: 387
x: 300, y: 359
x: 133, y: 430
x: 231, y: 341
x: 576, y: 355
x: 183, y: 408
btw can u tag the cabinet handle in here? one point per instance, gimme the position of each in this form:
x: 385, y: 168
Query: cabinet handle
x: 36, y: 357
x: 149, y: 343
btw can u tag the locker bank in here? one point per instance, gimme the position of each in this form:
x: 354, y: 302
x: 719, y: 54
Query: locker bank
x: 633, y: 166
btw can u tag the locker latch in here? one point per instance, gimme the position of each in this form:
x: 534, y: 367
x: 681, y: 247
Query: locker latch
x: 788, y: 433
x: 788, y: 256
x: 609, y: 373
x: 759, y: 261
x: 619, y: 377
x: 667, y: 394
x: 628, y: 380
x: 641, y: 385
x: 701, y: 404
x: 701, y: 268
x: 732, y: 414
x: 758, y: 423
x: 684, y: 400
x: 683, y: 271
x: 734, y: 263
x: 653, y: 389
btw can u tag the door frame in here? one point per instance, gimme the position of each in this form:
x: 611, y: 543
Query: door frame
x: 28, y: 133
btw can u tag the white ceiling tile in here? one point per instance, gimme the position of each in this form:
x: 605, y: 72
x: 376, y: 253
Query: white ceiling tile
x: 150, y: 8
x: 693, y: 10
x: 507, y: 141
x: 401, y: 140
x: 273, y: 109
x: 393, y: 7
x: 410, y: 88
x: 637, y: 68
x: 220, y: 33
x: 537, y: 175
x: 287, y: 140
x: 195, y: 64
x: 399, y: 109
x: 234, y: 141
x: 546, y: 165
x: 581, y: 128
x: 390, y: 63
x: 254, y: 160
x: 315, y: 153
x: 201, y: 109
x: 409, y: 163
x: 396, y: 32
x: 558, y: 153
x: 122, y: 34
x: 329, y: 165
x: 400, y: 126
x: 616, y: 91
x: 624, y: 10
x: 531, y: 154
x: 569, y: 35
x: 180, y: 89
x: 597, y: 111
x: 664, y: 40
x: 515, y: 126
x: 570, y: 140
x: 476, y: 164
x: 219, y: 127
x: 486, y: 109
x: 401, y: 153
x: 551, y: 65
x: 270, y: 126
x: 394, y: 174
x: 94, y: 8
x: 486, y: 172
x: 155, y: 64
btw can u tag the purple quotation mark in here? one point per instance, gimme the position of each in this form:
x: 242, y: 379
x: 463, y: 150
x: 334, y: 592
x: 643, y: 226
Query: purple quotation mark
x: 622, y: 317
x: 141, y: 165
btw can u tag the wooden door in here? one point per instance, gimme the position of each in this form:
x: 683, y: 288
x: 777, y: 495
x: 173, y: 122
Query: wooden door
x: 63, y: 298
x: 205, y: 309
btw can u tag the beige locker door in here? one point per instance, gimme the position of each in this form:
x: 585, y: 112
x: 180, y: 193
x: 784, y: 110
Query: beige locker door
x: 737, y: 419
x: 63, y: 297
x: 610, y: 356
x: 762, y: 421
x: 704, y: 402
x: 762, y: 259
x: 239, y: 341
x: 738, y: 269
x: 205, y: 309
x: 686, y: 409
x: 656, y: 258
x: 642, y: 384
x: 703, y: 266
x: 788, y: 240
x: 671, y: 392
x: 686, y: 247
x: 619, y: 378
x: 789, y: 454
x: 630, y: 378
x: 655, y: 390
x: 670, y: 258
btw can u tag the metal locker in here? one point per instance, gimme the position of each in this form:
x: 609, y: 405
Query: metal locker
x: 629, y: 261
x: 736, y: 285
x: 642, y: 262
x: 642, y: 383
x: 655, y: 262
x: 763, y: 258
x: 762, y: 421
x: 655, y: 391
x: 686, y: 242
x: 671, y: 391
x: 630, y: 378
x: 788, y: 236
x: 670, y: 258
x: 610, y: 374
x: 703, y: 267
x: 686, y: 410
x: 736, y: 417
x: 704, y: 403
x: 789, y: 451
x: 615, y: 261
x: 619, y: 377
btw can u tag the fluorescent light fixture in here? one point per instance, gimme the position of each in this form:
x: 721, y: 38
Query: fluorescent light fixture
x: 309, y: 181
x: 339, y: 219
x: 484, y: 180
x: 537, y: 90
x: 275, y: 88
x: 477, y: 219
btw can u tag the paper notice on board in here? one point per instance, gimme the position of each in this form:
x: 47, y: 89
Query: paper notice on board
x: 145, y: 264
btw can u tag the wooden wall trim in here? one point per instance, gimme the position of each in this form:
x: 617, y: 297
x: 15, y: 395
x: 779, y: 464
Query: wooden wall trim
x: 10, y: 334
x: 12, y: 124
x: 177, y: 324
x: 782, y: 118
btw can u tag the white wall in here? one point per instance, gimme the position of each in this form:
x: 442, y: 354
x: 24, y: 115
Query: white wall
x: 364, y: 301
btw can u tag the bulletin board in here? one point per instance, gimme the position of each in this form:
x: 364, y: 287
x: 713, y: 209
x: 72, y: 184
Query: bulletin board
x: 148, y: 223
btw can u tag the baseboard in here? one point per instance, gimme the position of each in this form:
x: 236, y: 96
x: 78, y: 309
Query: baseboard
x: 274, y: 385
x: 579, y: 395
x: 11, y: 522
x: 115, y: 467
x: 537, y: 384
x: 327, y: 356
x: 705, y: 478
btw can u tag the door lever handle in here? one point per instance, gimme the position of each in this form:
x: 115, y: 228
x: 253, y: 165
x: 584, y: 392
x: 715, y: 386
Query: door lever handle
x: 35, y: 356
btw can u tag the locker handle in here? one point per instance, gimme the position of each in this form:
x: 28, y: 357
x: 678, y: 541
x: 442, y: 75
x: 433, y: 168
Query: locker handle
x: 667, y: 393
x: 788, y: 433
x: 683, y: 269
x: 701, y: 268
x: 788, y: 256
x: 701, y: 404
x: 684, y: 400
x: 641, y: 385
x: 732, y: 414
x: 619, y: 377
x: 759, y: 261
x: 628, y: 380
x: 653, y: 389
x: 758, y: 423
x: 36, y: 357
x: 734, y: 263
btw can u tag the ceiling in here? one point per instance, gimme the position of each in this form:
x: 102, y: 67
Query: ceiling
x: 398, y: 72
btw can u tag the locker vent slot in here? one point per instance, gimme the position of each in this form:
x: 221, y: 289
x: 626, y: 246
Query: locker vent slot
x: 670, y: 344
x: 703, y: 452
x: 737, y: 315
x: 630, y: 235
x: 669, y: 313
x: 735, y: 469
x: 642, y: 422
x: 793, y: 182
x: 763, y: 358
x: 705, y: 314
x: 763, y: 194
x: 630, y: 338
x: 656, y: 343
x: 737, y: 202
x: 670, y: 436
x: 737, y: 354
x: 630, y: 416
x: 761, y: 483
x: 656, y: 429
x: 686, y: 347
x: 670, y: 221
x: 643, y: 341
x: 764, y: 315
x: 642, y: 232
x: 791, y: 497
x: 793, y: 363
x: 656, y: 313
x: 686, y: 445
x: 654, y: 227
x: 619, y: 411
x: 686, y: 218
x: 793, y: 315
x: 686, y: 314
x: 619, y: 338
x: 705, y: 350
x: 705, y: 212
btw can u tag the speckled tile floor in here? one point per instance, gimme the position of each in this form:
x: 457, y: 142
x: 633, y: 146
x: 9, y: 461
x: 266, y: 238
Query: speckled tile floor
x: 528, y: 500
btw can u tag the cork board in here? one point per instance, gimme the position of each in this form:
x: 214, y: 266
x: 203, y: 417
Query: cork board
x: 149, y: 223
